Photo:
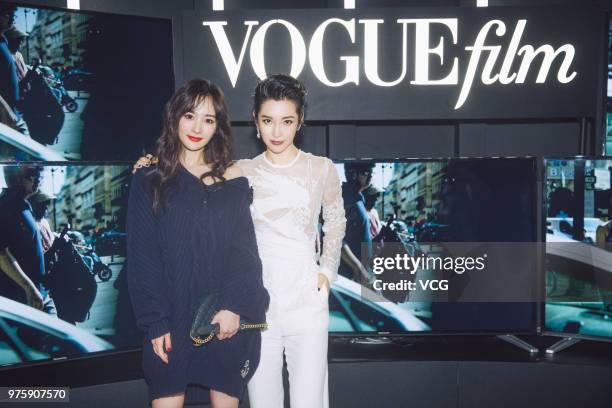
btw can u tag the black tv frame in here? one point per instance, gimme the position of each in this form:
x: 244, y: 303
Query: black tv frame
x: 537, y: 309
x: 83, y: 356
x: 95, y: 363
x: 173, y: 46
x: 550, y: 333
x: 603, y: 102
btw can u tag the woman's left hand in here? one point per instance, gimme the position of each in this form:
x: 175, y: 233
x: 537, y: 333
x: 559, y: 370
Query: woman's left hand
x: 144, y: 161
x: 323, y: 282
x: 229, y: 323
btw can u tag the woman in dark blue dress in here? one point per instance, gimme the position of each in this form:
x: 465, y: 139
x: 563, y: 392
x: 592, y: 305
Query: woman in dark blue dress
x: 190, y: 232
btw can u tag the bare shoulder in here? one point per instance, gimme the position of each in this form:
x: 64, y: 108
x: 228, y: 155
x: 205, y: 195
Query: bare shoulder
x: 233, y: 171
x: 247, y: 166
x: 244, y: 164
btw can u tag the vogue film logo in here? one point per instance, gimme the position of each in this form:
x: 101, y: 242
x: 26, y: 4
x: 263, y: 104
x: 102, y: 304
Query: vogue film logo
x: 481, y: 49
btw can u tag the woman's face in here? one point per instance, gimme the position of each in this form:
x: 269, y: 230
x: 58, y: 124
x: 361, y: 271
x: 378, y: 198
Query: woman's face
x: 31, y: 181
x: 364, y: 177
x: 6, y: 21
x: 198, y: 126
x: 278, y: 122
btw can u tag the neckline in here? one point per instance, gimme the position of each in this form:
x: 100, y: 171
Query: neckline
x: 280, y: 166
x: 199, y: 180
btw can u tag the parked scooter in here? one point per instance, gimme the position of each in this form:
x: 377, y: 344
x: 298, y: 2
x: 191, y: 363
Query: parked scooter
x: 98, y: 267
x: 58, y: 89
x: 90, y: 257
x: 66, y: 100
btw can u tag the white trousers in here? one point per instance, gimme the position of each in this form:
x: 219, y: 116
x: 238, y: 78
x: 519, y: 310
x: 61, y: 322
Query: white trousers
x: 298, y: 327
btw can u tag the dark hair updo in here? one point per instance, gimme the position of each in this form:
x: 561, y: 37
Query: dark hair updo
x: 280, y: 87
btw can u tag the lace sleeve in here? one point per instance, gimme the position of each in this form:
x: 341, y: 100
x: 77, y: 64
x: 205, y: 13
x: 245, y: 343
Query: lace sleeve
x: 334, y: 223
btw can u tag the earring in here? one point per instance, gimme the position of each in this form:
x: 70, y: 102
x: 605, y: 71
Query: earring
x: 258, y: 135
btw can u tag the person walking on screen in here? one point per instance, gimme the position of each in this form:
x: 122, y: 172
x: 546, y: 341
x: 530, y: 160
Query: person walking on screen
x: 21, y: 247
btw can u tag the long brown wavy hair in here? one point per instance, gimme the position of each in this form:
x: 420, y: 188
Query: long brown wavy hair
x: 218, y: 150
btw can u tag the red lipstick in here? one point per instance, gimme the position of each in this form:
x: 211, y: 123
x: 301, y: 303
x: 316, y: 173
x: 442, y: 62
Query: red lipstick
x: 194, y: 138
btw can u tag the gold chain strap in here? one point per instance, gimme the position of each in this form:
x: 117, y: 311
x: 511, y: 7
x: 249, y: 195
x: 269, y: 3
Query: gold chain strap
x: 254, y: 326
x: 198, y: 341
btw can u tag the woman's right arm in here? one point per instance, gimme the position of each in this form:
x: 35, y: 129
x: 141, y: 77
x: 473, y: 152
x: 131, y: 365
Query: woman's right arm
x: 145, y: 274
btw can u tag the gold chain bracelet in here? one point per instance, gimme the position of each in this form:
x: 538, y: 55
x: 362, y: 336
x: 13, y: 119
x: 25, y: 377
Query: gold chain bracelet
x: 254, y: 326
x: 198, y: 341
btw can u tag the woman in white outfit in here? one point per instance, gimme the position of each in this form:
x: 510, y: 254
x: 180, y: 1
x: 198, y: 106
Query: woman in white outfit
x: 291, y: 188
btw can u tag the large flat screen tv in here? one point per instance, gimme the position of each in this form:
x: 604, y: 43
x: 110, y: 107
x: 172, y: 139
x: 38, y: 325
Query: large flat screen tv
x: 425, y: 208
x: 578, y: 206
x: 607, y: 148
x: 442, y: 210
x: 78, y: 254
x: 82, y: 85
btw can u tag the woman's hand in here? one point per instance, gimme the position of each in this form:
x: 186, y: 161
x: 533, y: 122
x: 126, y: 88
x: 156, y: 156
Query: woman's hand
x: 229, y: 323
x: 145, y: 161
x: 323, y: 282
x: 159, y: 349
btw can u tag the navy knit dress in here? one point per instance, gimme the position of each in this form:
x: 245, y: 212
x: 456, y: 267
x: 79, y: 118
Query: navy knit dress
x: 203, y: 240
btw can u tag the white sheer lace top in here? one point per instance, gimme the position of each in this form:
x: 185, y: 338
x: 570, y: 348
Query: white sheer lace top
x: 288, y: 200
